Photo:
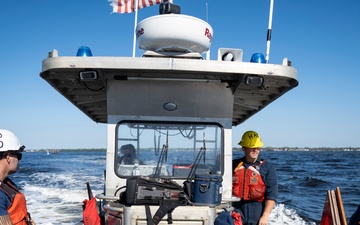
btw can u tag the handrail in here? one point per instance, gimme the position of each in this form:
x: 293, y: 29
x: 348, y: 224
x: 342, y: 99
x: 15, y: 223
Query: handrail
x: 111, y: 208
x: 104, y: 197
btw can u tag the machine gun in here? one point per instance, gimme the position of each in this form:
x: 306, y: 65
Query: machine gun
x: 152, y: 191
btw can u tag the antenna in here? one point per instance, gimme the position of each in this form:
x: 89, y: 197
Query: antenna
x: 207, y: 11
x: 135, y: 24
x: 269, y: 32
x: 207, y: 20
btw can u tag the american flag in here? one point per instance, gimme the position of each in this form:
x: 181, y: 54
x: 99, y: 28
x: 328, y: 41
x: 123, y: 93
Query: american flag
x: 128, y: 6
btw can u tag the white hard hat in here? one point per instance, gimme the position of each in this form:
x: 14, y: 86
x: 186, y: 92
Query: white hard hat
x: 9, y: 142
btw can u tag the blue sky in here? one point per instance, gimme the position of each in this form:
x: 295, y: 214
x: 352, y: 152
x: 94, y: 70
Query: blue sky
x: 320, y: 37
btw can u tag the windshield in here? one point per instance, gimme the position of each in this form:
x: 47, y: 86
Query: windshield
x: 177, y: 150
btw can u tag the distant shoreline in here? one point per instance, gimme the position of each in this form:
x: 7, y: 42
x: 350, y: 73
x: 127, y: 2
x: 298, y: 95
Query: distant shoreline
x: 234, y: 149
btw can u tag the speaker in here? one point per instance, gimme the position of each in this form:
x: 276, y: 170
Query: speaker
x: 230, y: 54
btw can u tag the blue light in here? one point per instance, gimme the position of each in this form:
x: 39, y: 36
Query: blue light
x: 257, y: 58
x: 84, y: 51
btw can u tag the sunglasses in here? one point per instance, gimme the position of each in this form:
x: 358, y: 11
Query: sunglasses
x: 17, y: 155
x: 128, y: 155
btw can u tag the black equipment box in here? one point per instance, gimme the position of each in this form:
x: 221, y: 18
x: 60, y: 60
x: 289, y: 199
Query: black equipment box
x: 147, y: 190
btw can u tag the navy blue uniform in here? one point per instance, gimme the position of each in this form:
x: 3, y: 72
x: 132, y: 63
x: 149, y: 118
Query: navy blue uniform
x: 251, y: 211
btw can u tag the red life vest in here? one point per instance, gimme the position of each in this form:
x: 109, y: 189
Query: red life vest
x: 247, y: 183
x: 17, y: 209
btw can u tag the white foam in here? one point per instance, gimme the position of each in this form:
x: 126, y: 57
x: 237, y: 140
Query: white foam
x: 57, y: 204
x: 282, y: 215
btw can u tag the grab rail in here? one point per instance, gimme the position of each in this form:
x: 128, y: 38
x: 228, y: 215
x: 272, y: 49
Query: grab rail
x: 104, y: 197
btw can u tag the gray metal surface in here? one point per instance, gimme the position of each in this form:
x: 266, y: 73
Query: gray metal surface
x: 91, y: 97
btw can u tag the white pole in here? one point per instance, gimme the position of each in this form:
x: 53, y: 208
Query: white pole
x: 269, y: 31
x: 135, y: 23
x: 207, y: 20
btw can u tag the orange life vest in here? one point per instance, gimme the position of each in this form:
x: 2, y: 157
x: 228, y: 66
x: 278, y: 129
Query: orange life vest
x: 17, y: 209
x: 247, y: 183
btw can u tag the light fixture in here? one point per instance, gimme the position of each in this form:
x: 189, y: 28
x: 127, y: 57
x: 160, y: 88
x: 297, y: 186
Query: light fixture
x: 254, y: 81
x: 257, y: 58
x: 89, y: 75
x: 84, y: 51
x: 170, y: 106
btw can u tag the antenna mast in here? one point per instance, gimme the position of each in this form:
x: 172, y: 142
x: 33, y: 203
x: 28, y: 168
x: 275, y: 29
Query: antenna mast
x: 135, y: 24
x: 269, y: 31
x: 207, y: 20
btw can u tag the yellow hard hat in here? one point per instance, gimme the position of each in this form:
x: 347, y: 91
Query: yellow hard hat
x: 251, y: 139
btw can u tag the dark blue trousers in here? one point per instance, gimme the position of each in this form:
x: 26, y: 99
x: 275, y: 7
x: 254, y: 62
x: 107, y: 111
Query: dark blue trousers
x: 250, y: 211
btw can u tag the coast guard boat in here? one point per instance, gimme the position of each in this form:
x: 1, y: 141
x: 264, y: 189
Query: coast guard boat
x: 176, y: 109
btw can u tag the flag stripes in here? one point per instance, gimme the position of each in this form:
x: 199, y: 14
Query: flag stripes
x: 128, y: 6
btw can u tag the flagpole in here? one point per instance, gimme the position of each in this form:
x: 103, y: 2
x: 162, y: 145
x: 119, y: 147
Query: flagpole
x: 269, y: 31
x: 135, y: 23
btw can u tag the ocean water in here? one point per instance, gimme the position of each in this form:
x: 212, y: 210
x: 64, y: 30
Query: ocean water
x: 55, y: 184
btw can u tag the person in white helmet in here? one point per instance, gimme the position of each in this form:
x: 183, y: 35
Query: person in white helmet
x: 13, y: 210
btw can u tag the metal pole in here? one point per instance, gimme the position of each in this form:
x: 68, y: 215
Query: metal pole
x: 207, y: 20
x: 135, y: 23
x: 269, y: 32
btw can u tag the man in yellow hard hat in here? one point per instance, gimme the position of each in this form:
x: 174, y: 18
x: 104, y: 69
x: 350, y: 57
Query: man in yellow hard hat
x: 254, y: 182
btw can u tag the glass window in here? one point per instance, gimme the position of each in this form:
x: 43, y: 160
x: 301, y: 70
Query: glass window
x: 177, y: 150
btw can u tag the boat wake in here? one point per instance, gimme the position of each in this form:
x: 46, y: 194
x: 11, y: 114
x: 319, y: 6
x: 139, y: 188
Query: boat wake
x: 282, y: 215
